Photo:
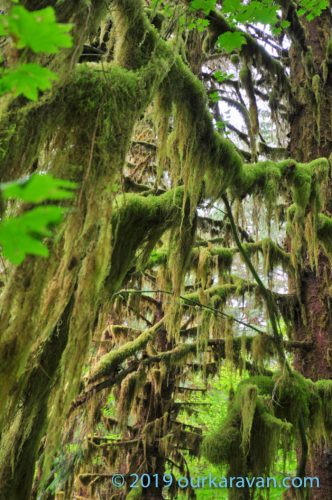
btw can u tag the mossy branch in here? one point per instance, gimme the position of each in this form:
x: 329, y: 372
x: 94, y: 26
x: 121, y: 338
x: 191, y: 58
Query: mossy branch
x: 257, y: 177
x: 137, y: 221
x: 110, y: 362
x: 184, y: 349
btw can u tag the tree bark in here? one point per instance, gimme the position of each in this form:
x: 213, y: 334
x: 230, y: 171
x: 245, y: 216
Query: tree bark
x: 311, y: 137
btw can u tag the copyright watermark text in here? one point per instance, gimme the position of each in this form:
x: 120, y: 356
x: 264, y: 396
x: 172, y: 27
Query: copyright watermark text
x: 210, y: 481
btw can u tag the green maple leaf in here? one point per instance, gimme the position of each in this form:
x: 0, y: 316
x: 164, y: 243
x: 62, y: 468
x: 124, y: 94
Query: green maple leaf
x: 38, y: 188
x: 214, y: 97
x: 231, y: 6
x: 204, y: 5
x: 231, y: 41
x: 312, y: 8
x: 220, y: 76
x: 22, y: 235
x: 26, y: 79
x: 38, y: 30
x: 264, y: 11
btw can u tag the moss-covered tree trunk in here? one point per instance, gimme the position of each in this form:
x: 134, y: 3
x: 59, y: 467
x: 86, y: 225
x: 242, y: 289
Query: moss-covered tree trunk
x: 85, y: 125
x: 311, y: 137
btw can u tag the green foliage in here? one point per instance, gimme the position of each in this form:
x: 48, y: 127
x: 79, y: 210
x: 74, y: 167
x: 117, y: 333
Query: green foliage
x: 211, y: 411
x: 263, y: 11
x: 231, y: 41
x: 214, y: 96
x: 199, y: 24
x: 256, y: 414
x: 265, y: 415
x: 254, y: 11
x: 238, y: 11
x: 221, y: 76
x: 38, y: 188
x: 21, y: 235
x: 27, y: 80
x: 312, y: 8
x: 204, y: 5
x: 37, y: 30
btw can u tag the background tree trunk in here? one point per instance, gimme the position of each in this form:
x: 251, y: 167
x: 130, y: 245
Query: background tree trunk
x: 311, y: 137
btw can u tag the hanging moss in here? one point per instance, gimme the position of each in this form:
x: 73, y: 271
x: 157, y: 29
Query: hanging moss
x: 249, y: 422
x: 129, y: 389
x: 81, y: 268
x: 73, y: 104
x: 224, y: 257
x: 195, y: 146
x: 316, y: 88
x: 262, y: 349
x: 163, y: 110
x: 218, y: 447
x: 136, y: 39
x: 324, y: 388
x: 263, y: 410
x: 247, y: 82
x: 248, y: 408
x: 91, y: 151
x: 136, y: 221
x: 327, y: 63
x: 251, y: 51
x: 221, y: 256
x: 62, y: 116
x: 324, y: 233
x: 307, y: 183
x: 273, y: 255
x: 157, y: 258
x: 204, y: 265
x: 177, y: 355
x: 254, y: 178
x: 268, y: 433
x: 181, y: 241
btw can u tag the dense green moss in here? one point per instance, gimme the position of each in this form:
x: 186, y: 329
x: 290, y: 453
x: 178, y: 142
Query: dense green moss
x: 324, y: 388
x: 220, y: 292
x: 264, y: 410
x: 140, y: 221
x: 273, y: 254
x: 196, y: 151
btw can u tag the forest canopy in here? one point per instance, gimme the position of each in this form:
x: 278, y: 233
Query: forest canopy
x: 165, y: 248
